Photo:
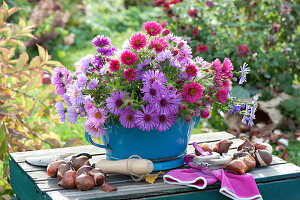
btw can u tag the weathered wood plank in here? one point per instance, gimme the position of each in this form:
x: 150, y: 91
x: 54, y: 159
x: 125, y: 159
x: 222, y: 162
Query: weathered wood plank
x: 20, y: 156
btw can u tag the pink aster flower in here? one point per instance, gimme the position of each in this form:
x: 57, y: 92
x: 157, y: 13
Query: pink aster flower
x: 201, y: 48
x: 152, y: 28
x: 159, y: 44
x: 138, y: 41
x: 192, y: 92
x: 222, y: 95
x: 114, y: 65
x: 92, y: 129
x: 129, y: 74
x: 204, y: 114
x: 96, y: 116
x: 243, y: 50
x: 193, y: 13
x: 191, y: 70
x: 128, y: 58
x: 227, y: 66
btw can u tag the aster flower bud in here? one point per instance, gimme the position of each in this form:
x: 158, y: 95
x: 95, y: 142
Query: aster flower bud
x: 180, y: 45
x: 175, y: 52
x: 199, y: 104
x: 207, y: 98
x: 107, y: 59
x: 187, y: 119
x: 171, y: 87
x: 192, y: 113
x: 128, y: 103
x: 165, y: 32
x: 110, y: 74
x: 179, y: 81
x: 183, y: 107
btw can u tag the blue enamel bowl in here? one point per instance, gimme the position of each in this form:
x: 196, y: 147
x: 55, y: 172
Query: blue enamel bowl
x: 166, y: 149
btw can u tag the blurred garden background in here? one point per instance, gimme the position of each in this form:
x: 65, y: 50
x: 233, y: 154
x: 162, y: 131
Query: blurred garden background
x: 37, y: 35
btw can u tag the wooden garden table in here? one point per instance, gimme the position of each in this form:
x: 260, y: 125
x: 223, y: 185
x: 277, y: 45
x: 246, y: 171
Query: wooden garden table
x: 280, y: 180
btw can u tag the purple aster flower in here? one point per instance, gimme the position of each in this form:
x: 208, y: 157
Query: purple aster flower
x: 66, y: 98
x: 81, y: 112
x: 153, y: 91
x: 95, y: 131
x: 88, y: 103
x: 255, y: 98
x: 245, y: 119
x: 108, y: 51
x: 166, y: 104
x: 101, y: 41
x: 160, y: 57
x: 72, y: 114
x: 146, y: 120
x: 81, y: 80
x: 140, y: 68
x: 174, y: 63
x: 60, y: 78
x: 96, y: 116
x: 61, y: 111
x: 83, y: 64
x: 97, y: 61
x: 92, y: 84
x: 202, y: 62
x: 244, y: 70
x: 127, y: 118
x: 76, y: 97
x: 114, y: 102
x: 150, y: 76
x: 184, y: 56
x: 165, y: 121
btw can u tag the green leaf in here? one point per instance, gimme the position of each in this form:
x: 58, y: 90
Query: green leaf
x: 23, y: 58
x: 35, y: 61
x: 2, y: 133
x: 240, y: 92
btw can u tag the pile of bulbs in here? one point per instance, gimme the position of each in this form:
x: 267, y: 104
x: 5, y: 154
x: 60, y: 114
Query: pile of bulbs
x: 248, y: 157
x: 78, y: 173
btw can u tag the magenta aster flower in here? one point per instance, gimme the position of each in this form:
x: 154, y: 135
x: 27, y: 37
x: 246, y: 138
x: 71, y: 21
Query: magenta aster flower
x: 227, y: 66
x: 114, y: 102
x: 222, y: 95
x: 127, y: 118
x: 159, y: 44
x: 114, y: 65
x: 217, y: 66
x: 138, y: 41
x: 150, y: 76
x: 101, y: 41
x: 191, y: 70
x: 152, y: 28
x: 129, y: 74
x: 204, y: 114
x: 192, y: 92
x: 128, y: 58
x: 146, y: 120
x: 96, y: 116
x: 243, y: 50
x: 165, y: 121
x: 193, y: 13
x: 93, y: 130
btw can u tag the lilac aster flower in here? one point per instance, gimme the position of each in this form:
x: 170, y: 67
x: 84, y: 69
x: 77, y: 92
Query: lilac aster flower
x: 153, y: 91
x: 76, y: 97
x: 245, y: 119
x: 166, y: 104
x: 81, y: 80
x: 61, y: 78
x: 66, y: 98
x: 61, y: 111
x: 72, y: 114
x: 93, y: 130
x: 81, y: 112
x: 174, y: 63
x: 141, y: 67
x: 96, y: 116
x: 127, y: 118
x: 108, y: 51
x: 255, y: 98
x: 160, y: 57
x: 150, y: 76
x: 184, y: 56
x: 88, y: 103
x: 97, y: 61
x: 146, y: 120
x: 92, y: 84
x: 101, y: 41
x: 114, y: 102
x: 244, y: 70
x: 84, y: 64
x: 165, y: 121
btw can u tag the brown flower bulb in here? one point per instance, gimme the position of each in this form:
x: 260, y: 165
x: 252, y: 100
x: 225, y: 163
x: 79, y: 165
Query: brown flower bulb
x: 98, y: 176
x: 84, y: 182
x: 62, y: 169
x: 222, y: 146
x: 107, y: 187
x: 236, y: 167
x: 68, y: 180
x: 247, y: 146
x: 263, y: 146
x: 84, y: 168
x: 249, y: 162
x: 263, y: 158
x: 77, y: 162
x: 52, y: 168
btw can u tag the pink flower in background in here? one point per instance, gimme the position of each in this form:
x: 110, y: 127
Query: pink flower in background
x: 193, y: 13
x: 159, y: 44
x: 210, y: 3
x: 163, y: 24
x: 138, y: 41
x: 129, y: 74
x: 128, y: 58
x: 192, y: 92
x: 152, y: 28
x: 195, y: 31
x: 285, y: 9
x: 201, y: 48
x: 243, y: 50
x: 275, y: 27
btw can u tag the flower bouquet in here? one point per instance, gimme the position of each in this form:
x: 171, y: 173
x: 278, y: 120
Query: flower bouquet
x: 151, y: 86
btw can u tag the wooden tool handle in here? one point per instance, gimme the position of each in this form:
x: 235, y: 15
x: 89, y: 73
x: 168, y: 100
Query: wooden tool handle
x: 127, y: 166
